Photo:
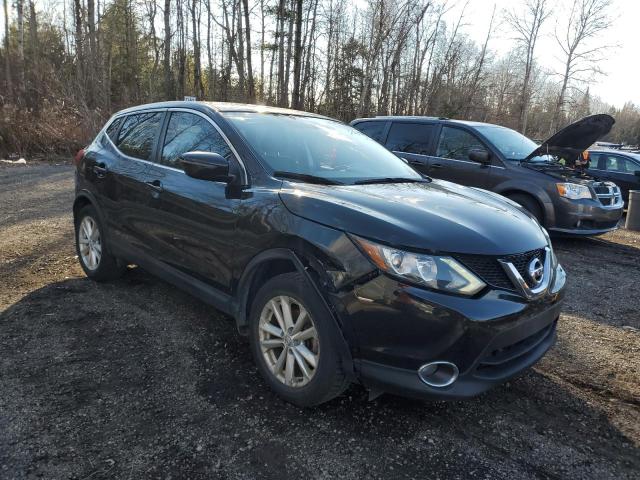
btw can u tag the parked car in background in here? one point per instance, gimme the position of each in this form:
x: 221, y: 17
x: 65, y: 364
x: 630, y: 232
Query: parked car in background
x: 618, y: 166
x: 502, y: 160
x: 338, y: 260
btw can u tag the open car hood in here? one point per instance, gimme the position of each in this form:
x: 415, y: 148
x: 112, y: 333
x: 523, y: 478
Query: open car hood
x: 574, y: 139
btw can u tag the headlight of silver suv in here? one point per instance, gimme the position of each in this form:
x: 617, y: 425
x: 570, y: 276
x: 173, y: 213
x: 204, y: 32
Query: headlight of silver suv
x: 573, y: 191
x: 438, y: 272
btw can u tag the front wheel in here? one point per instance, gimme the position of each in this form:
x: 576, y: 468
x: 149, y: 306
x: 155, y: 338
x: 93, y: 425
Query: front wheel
x: 529, y: 204
x: 293, y: 343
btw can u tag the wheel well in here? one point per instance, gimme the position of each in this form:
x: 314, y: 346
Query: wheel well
x: 509, y: 193
x: 79, y: 204
x: 264, y: 272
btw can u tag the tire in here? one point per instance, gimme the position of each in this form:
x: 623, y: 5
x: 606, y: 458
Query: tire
x: 324, y: 382
x: 93, y: 254
x: 529, y: 204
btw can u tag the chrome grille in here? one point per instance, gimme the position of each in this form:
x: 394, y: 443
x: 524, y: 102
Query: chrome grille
x: 491, y: 272
x: 608, y: 193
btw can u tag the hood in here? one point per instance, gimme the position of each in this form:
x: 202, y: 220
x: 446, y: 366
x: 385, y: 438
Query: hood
x: 435, y: 217
x: 576, y: 138
x: 560, y: 172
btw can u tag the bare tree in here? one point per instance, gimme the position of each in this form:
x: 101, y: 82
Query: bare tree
x: 168, y: 84
x: 7, y: 60
x: 21, y: 65
x: 527, y: 27
x: 280, y: 38
x: 93, y: 53
x: 297, y: 56
x: 77, y: 10
x: 586, y: 21
x: 251, y: 93
x: 197, y: 68
x: 33, y: 98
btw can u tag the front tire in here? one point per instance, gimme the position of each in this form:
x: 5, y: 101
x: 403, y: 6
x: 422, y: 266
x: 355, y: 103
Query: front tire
x: 293, y: 342
x: 93, y: 255
x: 529, y: 204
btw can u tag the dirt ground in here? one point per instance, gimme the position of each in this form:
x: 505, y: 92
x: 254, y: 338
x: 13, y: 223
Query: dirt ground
x: 135, y: 379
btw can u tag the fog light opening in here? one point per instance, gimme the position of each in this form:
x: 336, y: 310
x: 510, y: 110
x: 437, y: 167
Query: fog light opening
x: 438, y: 374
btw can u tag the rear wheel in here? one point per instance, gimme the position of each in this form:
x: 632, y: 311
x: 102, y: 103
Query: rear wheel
x: 293, y: 343
x: 96, y: 261
x: 529, y: 204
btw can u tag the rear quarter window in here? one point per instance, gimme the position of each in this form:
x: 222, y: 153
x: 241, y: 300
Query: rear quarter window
x: 374, y: 130
x: 113, y: 128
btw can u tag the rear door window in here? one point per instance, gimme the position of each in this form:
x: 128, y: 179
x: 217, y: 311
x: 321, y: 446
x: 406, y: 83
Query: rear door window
x: 410, y: 138
x: 618, y: 164
x: 373, y: 130
x: 455, y: 144
x: 139, y: 133
x: 188, y: 132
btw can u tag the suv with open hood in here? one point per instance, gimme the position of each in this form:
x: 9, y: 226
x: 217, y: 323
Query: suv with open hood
x: 502, y: 160
x: 336, y: 259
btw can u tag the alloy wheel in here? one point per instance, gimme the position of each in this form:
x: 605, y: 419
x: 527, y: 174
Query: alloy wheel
x: 89, y: 243
x: 289, y: 341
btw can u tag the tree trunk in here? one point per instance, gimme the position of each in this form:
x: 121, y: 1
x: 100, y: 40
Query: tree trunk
x: 262, y: 17
x: 297, y: 57
x: 237, y: 15
x: 281, y: 79
x: 7, y: 60
x: 93, y: 54
x: 555, y: 123
x: 79, y: 48
x: 251, y: 94
x: 33, y: 97
x: 285, y: 90
x: 210, y: 77
x: 198, y: 89
x: 310, y: 53
x: 21, y: 64
x: 168, y: 84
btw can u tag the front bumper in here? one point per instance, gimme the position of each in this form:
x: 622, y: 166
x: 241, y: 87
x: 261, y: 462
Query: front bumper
x: 398, y: 328
x: 585, y: 217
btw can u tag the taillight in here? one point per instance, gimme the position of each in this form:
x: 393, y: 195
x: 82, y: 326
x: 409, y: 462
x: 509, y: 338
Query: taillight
x: 78, y: 157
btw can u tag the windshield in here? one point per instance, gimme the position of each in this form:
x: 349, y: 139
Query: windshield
x: 513, y: 145
x: 318, y: 147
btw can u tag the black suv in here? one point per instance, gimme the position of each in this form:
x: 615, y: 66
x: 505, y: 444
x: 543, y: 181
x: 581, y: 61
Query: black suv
x: 564, y: 200
x: 337, y: 259
x: 617, y: 166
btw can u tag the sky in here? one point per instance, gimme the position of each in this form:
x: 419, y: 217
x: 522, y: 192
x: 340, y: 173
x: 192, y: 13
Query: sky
x: 622, y: 64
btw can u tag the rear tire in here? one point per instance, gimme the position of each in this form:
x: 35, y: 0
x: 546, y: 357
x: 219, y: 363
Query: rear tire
x: 529, y: 204
x: 93, y: 253
x: 286, y: 356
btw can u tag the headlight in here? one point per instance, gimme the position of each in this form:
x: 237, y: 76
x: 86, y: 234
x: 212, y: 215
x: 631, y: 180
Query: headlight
x: 441, y: 273
x: 573, y: 191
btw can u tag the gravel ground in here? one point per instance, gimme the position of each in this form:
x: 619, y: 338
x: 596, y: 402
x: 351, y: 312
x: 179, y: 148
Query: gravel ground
x: 135, y: 379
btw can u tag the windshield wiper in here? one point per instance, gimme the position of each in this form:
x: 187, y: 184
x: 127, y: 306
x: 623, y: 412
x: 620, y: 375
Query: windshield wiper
x: 304, y: 177
x: 370, y: 181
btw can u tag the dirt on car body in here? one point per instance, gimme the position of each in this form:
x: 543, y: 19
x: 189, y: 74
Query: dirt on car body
x: 135, y: 379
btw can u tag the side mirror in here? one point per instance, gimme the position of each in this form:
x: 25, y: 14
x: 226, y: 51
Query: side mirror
x: 206, y: 166
x: 479, y: 155
x: 637, y: 173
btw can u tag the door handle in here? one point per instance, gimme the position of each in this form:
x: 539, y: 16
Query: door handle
x: 100, y: 170
x: 436, y: 165
x: 155, y: 185
x: 415, y: 162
